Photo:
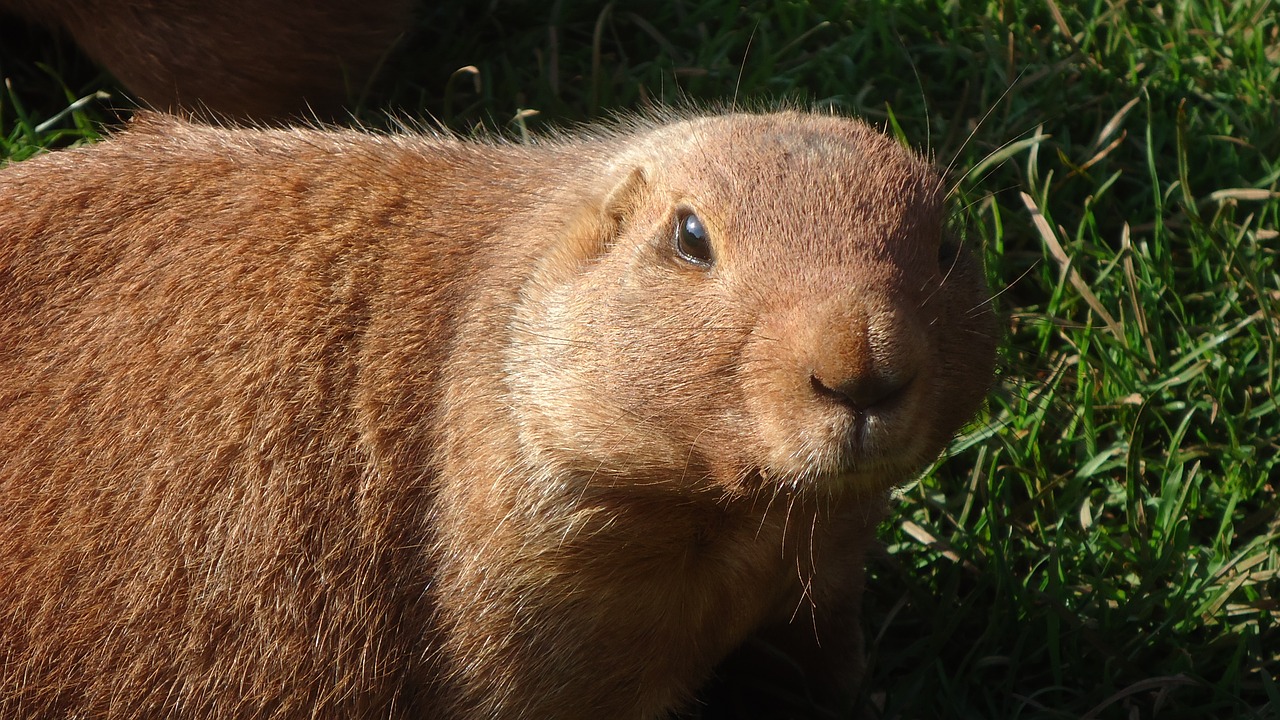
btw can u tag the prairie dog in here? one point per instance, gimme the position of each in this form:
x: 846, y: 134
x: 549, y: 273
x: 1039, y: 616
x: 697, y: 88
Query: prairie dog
x: 301, y: 423
x: 241, y: 59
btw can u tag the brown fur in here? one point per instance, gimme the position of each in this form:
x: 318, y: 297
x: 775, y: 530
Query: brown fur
x: 234, y: 58
x: 303, y: 423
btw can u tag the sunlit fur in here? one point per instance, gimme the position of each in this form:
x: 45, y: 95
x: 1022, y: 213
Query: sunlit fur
x: 305, y: 423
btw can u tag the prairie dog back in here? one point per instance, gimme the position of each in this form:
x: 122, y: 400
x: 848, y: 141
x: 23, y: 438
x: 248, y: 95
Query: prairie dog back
x: 314, y: 423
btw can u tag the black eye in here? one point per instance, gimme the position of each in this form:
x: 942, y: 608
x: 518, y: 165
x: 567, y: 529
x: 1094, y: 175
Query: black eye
x: 691, y: 239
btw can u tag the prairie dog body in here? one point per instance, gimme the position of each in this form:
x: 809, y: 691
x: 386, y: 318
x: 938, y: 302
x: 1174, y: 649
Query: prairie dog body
x: 241, y: 59
x: 298, y: 423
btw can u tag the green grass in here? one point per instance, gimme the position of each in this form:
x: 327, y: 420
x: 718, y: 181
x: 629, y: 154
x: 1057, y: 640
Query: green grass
x: 1102, y: 543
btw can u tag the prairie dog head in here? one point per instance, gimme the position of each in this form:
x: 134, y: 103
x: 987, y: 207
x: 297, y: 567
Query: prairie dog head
x: 753, y: 301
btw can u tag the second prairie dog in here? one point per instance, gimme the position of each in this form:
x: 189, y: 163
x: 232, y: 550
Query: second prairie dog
x: 300, y: 423
x: 242, y: 59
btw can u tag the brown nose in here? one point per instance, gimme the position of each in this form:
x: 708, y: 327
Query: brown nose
x: 861, y: 391
x: 863, y: 360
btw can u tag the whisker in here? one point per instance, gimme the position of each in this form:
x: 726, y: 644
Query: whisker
x: 960, y: 152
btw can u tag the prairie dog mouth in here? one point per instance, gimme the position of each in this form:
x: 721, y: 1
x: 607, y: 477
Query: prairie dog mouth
x: 869, y: 476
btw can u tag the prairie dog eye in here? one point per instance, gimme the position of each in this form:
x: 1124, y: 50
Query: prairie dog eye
x: 692, y: 242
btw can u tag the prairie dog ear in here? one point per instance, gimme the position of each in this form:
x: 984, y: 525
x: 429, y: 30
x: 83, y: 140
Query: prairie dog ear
x: 590, y: 230
x: 624, y: 197
x: 593, y: 231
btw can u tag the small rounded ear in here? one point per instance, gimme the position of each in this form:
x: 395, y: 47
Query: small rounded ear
x: 624, y: 197
x: 591, y: 228
x: 592, y: 231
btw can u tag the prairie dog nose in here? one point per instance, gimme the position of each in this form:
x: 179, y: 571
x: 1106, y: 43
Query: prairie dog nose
x: 863, y: 359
